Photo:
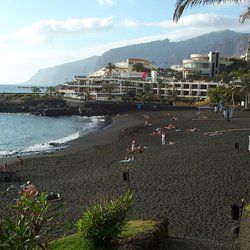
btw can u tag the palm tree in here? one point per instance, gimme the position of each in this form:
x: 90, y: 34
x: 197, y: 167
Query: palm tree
x: 142, y: 97
x: 86, y: 94
x: 127, y: 84
x: 160, y: 85
x: 147, y: 89
x: 109, y: 88
x: 216, y: 94
x: 182, y: 5
x: 245, y: 88
x: 51, y: 90
x: 138, y: 67
x: 36, y: 91
x: 173, y: 94
x: 230, y: 92
x: 110, y: 67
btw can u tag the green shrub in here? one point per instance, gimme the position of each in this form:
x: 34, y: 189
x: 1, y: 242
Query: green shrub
x: 103, y: 222
x: 30, y: 227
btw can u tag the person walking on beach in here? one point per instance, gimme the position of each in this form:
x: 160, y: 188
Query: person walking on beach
x: 133, y: 147
x: 19, y: 162
x: 163, y: 138
x: 5, y: 167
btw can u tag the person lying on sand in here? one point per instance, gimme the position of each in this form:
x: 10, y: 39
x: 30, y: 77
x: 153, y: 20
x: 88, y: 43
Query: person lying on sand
x: 127, y: 159
x: 147, y: 124
x: 170, y: 126
x: 193, y: 129
x: 29, y: 189
x: 135, y: 149
x: 213, y: 133
x: 156, y: 132
x: 172, y: 142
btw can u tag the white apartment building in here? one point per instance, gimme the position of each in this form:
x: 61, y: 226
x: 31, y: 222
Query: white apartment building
x: 96, y: 90
x: 123, y: 67
x: 204, y: 65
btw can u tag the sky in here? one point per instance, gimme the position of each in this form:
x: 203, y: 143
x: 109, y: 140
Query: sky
x: 44, y: 33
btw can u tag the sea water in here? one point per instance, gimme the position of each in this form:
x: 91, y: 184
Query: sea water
x: 22, y: 134
x: 17, y: 89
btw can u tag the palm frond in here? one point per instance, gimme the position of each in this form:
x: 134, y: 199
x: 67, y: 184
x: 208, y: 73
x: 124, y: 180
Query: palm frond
x: 182, y: 5
x: 245, y: 15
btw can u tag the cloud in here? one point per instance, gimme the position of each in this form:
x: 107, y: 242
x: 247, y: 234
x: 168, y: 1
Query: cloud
x: 204, y: 20
x: 106, y: 2
x: 131, y: 23
x: 43, y: 30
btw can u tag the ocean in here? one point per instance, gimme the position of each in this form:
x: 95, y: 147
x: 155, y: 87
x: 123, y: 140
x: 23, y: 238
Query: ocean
x: 16, y: 89
x: 24, y: 134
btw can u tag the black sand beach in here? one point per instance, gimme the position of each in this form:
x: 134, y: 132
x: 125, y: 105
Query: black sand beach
x: 192, y: 183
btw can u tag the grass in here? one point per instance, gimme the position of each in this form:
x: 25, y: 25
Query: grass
x: 131, y: 229
x: 247, y: 207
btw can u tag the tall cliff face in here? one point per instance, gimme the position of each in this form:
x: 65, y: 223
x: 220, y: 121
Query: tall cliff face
x: 64, y: 72
x: 162, y: 53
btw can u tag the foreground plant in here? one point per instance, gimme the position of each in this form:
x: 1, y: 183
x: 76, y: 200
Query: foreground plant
x: 29, y: 228
x: 104, y: 221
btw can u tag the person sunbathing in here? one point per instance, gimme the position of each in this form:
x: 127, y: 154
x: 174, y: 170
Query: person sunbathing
x: 29, y: 189
x: 193, y: 129
x: 172, y: 142
x: 127, y: 159
x: 135, y: 149
x: 215, y: 133
x: 170, y: 126
x: 156, y: 133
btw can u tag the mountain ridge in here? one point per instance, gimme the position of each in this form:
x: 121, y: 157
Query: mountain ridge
x: 163, y: 53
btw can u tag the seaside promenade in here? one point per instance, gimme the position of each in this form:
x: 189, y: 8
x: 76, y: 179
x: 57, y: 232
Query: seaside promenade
x: 191, y: 181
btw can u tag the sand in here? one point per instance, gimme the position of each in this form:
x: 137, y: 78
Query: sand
x: 192, y: 183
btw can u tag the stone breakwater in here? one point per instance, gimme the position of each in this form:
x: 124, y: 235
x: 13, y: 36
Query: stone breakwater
x: 18, y: 103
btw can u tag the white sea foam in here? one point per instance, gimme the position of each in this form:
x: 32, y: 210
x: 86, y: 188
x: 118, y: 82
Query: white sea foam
x: 62, y: 143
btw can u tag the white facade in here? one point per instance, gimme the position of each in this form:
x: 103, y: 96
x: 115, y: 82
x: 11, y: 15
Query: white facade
x: 96, y: 90
x: 204, y: 65
x: 122, y: 67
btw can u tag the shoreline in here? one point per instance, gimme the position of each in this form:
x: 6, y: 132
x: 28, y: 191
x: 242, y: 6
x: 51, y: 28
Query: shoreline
x: 111, y: 125
x: 58, y: 146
